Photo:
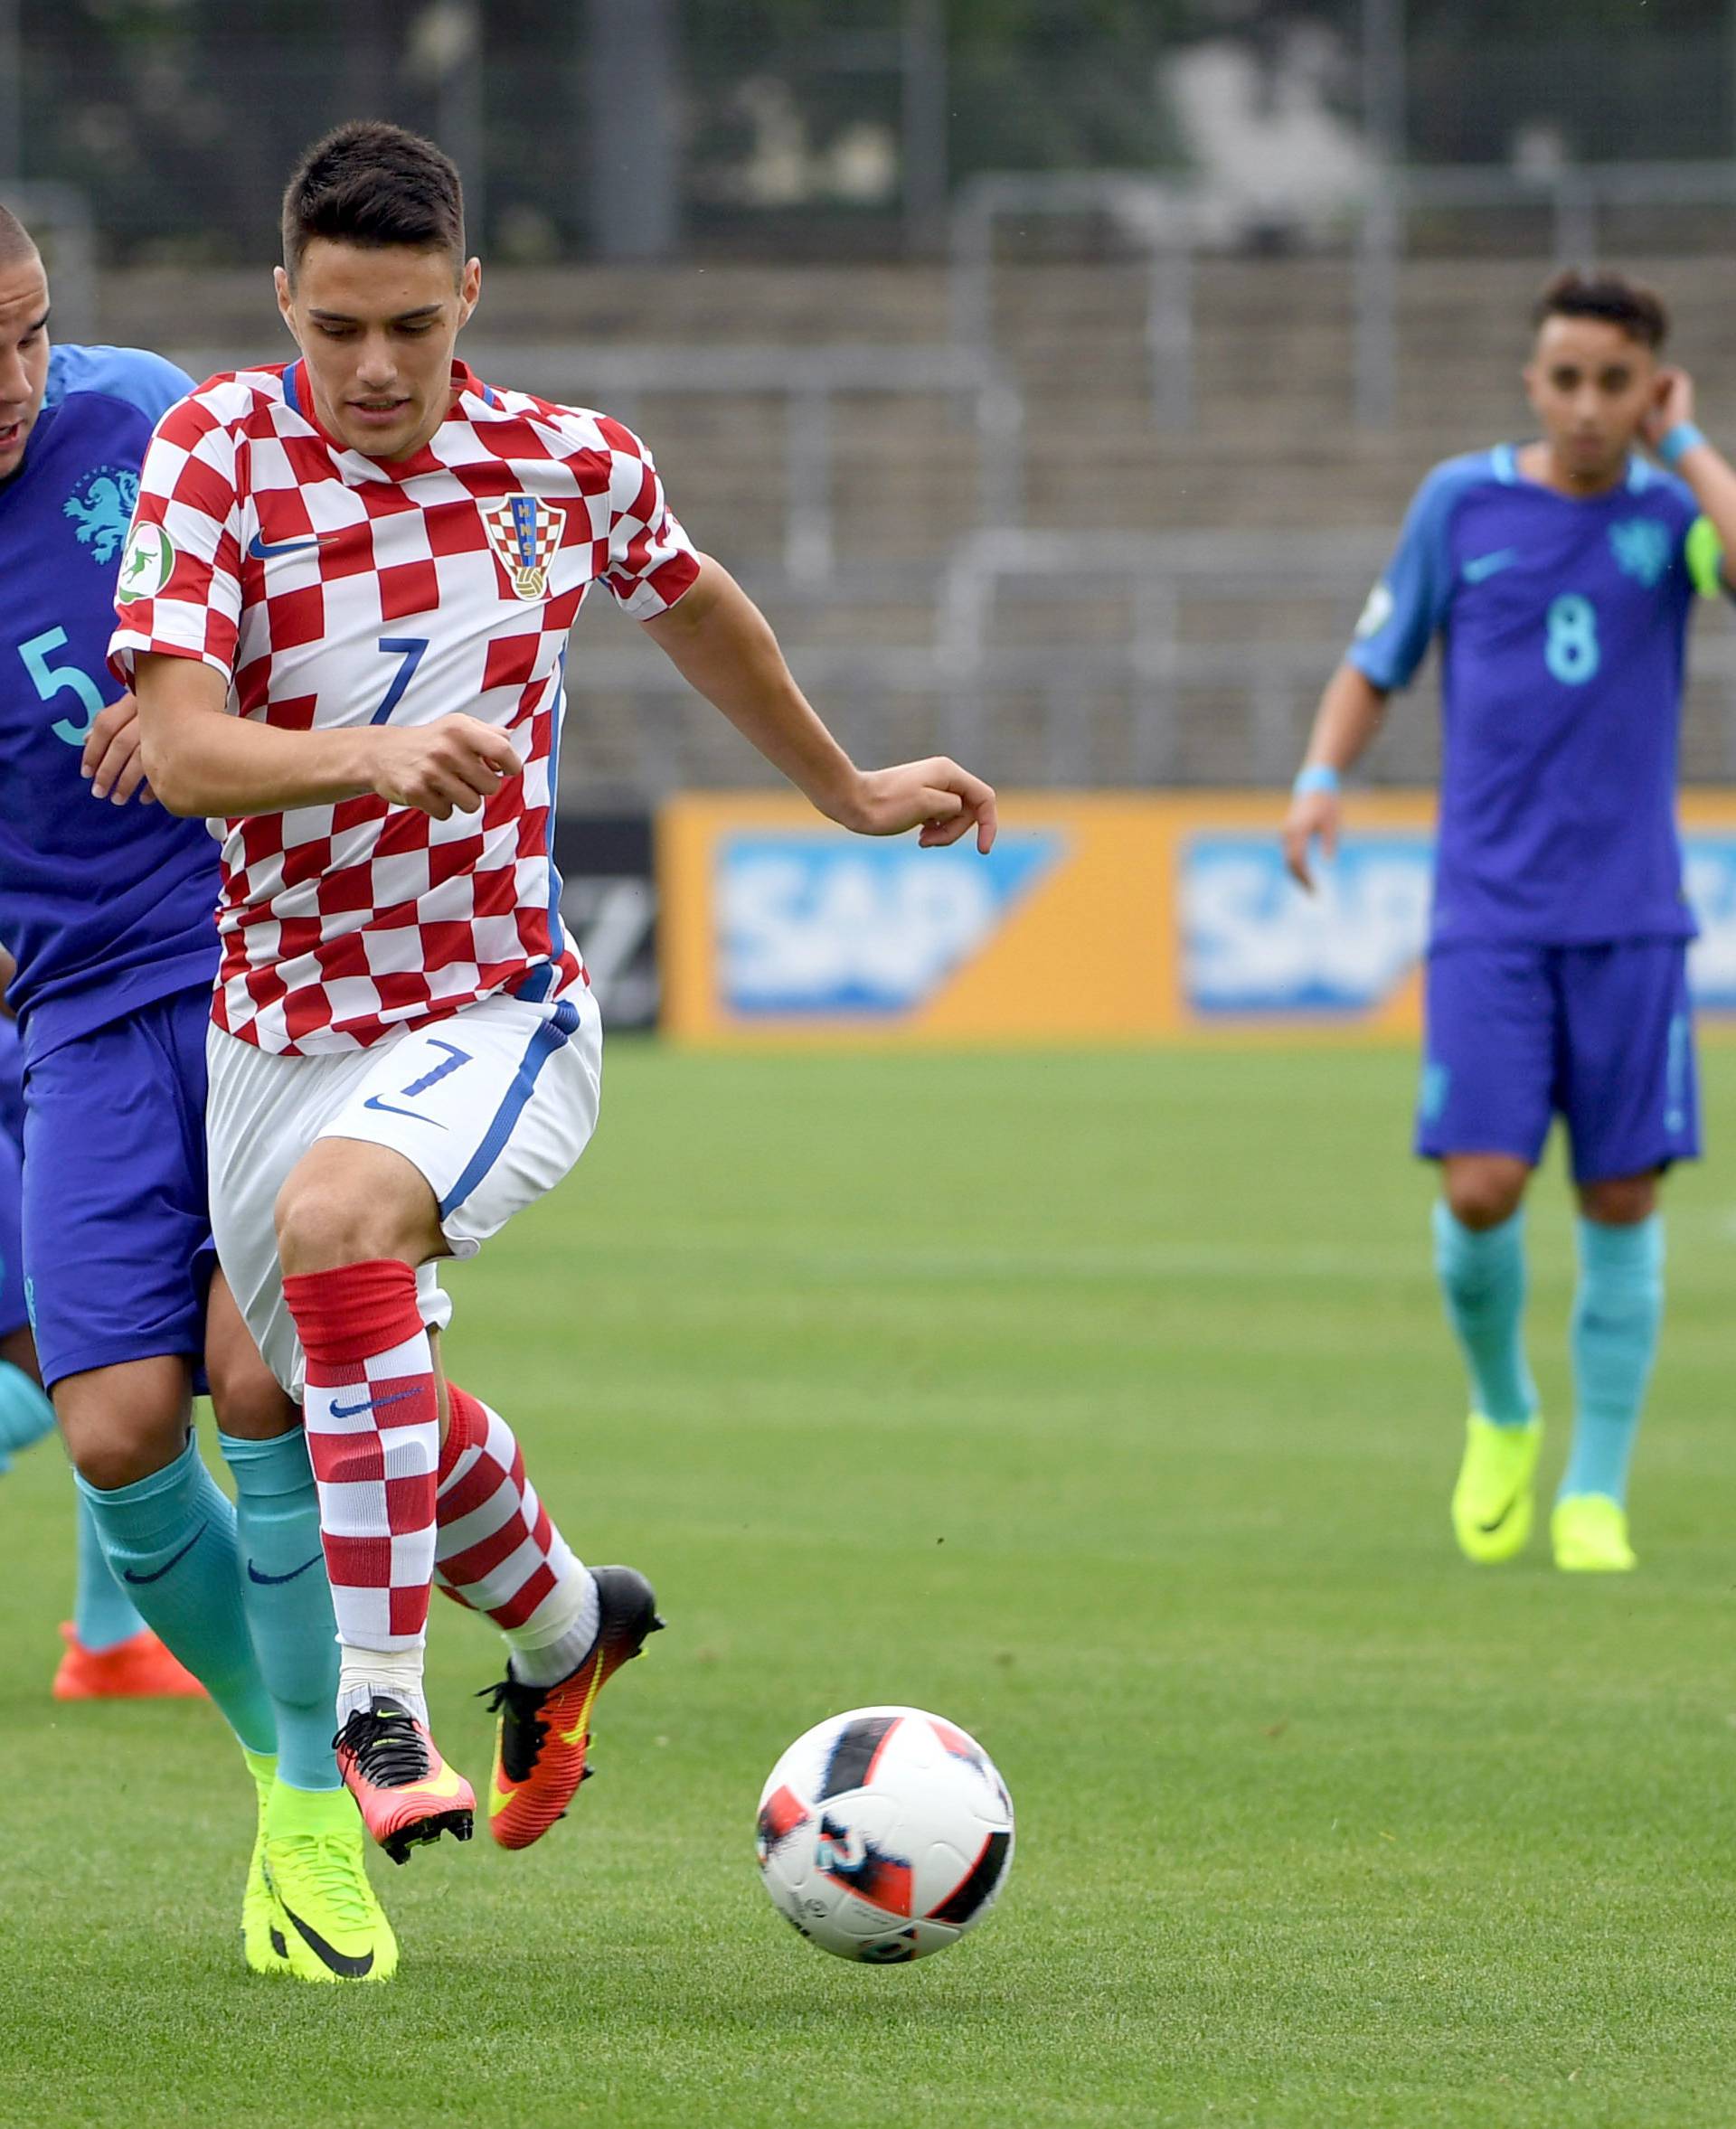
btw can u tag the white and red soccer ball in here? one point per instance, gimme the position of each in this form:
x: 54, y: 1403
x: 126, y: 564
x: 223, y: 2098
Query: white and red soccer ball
x: 884, y: 1834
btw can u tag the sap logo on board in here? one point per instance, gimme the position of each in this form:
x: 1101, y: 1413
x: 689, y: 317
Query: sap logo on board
x: 813, y: 926
x: 1253, y: 943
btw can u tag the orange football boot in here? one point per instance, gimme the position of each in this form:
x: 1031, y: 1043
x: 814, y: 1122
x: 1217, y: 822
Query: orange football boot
x: 544, y: 1731
x: 405, y: 1791
x: 137, y: 1669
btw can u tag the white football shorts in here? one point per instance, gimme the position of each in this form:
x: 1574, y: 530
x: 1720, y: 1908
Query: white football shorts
x: 493, y: 1105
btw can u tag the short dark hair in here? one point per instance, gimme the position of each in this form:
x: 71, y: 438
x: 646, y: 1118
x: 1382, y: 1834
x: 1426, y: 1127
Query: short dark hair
x: 1580, y: 293
x: 16, y: 244
x: 374, y: 185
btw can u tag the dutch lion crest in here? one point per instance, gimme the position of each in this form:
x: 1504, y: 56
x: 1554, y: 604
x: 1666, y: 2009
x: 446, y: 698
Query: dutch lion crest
x: 102, y: 508
x: 1642, y: 549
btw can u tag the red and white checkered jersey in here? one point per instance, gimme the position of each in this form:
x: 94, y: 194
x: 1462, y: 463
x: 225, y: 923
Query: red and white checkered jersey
x: 332, y: 589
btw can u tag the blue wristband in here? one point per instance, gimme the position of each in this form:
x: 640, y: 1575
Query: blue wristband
x: 1317, y: 778
x: 1682, y: 440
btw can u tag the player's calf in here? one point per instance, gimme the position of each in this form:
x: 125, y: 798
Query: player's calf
x: 568, y: 1629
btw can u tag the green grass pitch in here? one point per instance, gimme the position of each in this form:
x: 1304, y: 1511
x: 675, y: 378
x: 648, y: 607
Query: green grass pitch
x: 1103, y: 1405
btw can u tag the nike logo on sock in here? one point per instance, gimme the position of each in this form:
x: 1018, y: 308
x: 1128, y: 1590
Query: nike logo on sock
x: 253, y: 1574
x: 156, y: 1574
x: 344, y: 1963
x: 371, y: 1404
x: 1490, y: 1529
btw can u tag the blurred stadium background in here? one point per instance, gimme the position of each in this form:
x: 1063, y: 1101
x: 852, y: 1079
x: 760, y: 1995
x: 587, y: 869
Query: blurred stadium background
x: 1054, y: 372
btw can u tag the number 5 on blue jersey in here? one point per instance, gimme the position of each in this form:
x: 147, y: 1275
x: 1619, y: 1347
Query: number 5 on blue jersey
x: 59, y: 679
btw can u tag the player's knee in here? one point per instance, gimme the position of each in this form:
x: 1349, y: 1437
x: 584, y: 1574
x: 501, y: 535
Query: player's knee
x: 1622, y: 1202
x: 322, y: 1224
x: 247, y: 1398
x: 125, y: 1423
x: 117, y: 1450
x: 1481, y: 1198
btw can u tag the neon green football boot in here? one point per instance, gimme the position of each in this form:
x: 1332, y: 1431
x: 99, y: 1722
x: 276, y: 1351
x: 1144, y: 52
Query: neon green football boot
x: 1590, y: 1534
x: 316, y: 1867
x: 262, y: 1924
x: 1492, y: 1502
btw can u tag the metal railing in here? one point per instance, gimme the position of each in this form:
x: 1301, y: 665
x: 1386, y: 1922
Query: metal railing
x: 1165, y: 699
x: 807, y: 379
x: 1171, y: 223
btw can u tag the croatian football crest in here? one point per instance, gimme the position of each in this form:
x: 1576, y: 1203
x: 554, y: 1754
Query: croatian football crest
x: 524, y: 534
x: 1642, y: 549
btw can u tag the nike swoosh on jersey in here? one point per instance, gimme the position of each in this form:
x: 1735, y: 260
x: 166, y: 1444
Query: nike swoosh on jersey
x: 156, y: 1574
x: 1486, y: 565
x: 262, y: 550
x: 369, y: 1404
x: 253, y: 1574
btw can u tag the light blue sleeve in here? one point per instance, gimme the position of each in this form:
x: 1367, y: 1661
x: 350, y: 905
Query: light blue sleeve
x: 143, y: 380
x: 1410, y: 602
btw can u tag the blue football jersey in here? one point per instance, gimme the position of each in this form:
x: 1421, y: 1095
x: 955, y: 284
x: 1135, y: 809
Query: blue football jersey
x: 105, y: 907
x: 1563, y: 626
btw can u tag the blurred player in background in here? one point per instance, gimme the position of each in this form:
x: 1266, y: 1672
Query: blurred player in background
x: 110, y: 1653
x: 109, y: 906
x: 346, y: 600
x: 1559, y: 576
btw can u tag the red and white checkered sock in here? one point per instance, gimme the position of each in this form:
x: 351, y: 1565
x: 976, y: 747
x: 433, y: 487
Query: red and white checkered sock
x: 372, y: 1427
x: 497, y: 1551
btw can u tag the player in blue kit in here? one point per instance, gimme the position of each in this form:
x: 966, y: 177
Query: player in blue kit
x: 109, y: 908
x: 1558, y: 576
x: 110, y: 1653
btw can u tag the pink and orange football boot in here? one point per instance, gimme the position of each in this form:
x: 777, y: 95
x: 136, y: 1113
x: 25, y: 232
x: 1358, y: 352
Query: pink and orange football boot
x: 541, y: 1740
x: 406, y: 1793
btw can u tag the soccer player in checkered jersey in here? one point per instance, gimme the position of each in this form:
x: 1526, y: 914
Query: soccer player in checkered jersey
x: 345, y: 607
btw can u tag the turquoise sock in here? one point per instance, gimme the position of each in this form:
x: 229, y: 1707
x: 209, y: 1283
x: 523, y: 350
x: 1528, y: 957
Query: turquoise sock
x: 102, y: 1612
x: 1616, y: 1312
x: 288, y: 1599
x: 1483, y: 1279
x: 170, y: 1540
x: 26, y: 1413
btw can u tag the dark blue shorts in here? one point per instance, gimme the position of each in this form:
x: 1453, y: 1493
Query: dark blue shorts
x: 15, y: 1311
x: 1600, y: 1036
x: 117, y: 1247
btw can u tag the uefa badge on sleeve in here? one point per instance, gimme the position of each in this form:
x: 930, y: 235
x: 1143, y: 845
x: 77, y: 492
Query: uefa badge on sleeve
x: 524, y: 533
x: 146, y: 566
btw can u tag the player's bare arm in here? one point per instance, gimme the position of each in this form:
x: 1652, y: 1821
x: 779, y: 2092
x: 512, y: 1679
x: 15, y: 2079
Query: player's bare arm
x: 1350, y: 714
x: 201, y: 760
x: 1702, y: 463
x: 722, y: 645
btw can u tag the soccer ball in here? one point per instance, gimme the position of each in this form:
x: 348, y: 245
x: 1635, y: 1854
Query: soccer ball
x: 884, y: 1834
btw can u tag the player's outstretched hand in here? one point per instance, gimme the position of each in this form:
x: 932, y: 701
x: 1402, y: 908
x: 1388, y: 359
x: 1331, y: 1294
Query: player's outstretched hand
x: 448, y: 767
x: 1314, y: 817
x: 1672, y: 405
x: 945, y: 801
x: 113, y: 759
